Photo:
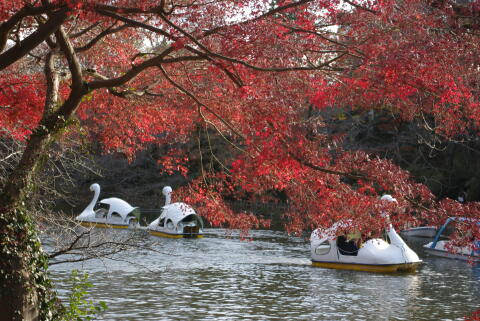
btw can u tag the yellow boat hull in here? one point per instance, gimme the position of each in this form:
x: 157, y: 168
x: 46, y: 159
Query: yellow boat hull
x: 102, y: 225
x: 387, y: 268
x: 174, y: 236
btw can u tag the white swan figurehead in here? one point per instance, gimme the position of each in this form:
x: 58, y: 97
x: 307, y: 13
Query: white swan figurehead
x: 89, y: 209
x: 395, y: 239
x: 167, y: 192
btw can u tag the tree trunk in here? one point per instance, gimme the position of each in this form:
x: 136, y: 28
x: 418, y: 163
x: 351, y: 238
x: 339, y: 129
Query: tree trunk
x: 20, y: 270
x: 24, y: 288
x: 25, y: 291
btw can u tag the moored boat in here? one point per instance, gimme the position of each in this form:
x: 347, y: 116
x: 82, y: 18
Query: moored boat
x: 177, y: 220
x: 420, y: 231
x: 441, y: 244
x: 109, y: 213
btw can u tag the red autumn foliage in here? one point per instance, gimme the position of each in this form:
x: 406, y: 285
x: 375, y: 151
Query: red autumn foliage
x: 157, y: 71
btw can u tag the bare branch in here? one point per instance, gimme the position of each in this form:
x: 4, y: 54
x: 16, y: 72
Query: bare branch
x: 199, y: 103
x: 70, y: 247
x: 9, y: 156
x: 84, y: 31
x: 106, y: 32
x: 135, y: 23
x: 269, y: 13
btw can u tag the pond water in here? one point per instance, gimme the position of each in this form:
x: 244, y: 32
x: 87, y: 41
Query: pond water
x: 269, y: 278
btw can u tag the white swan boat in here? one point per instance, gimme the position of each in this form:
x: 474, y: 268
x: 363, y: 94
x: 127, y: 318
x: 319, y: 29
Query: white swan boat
x: 177, y: 220
x: 440, y: 246
x: 110, y: 212
x: 373, y: 255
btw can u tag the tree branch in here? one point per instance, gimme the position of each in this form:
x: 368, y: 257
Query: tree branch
x: 41, y: 34
x: 195, y: 99
x: 208, y: 52
x: 113, y: 82
x: 102, y: 34
x: 8, y: 25
x: 269, y: 13
x: 360, y: 7
x: 128, y: 10
x: 324, y: 170
x: 70, y: 247
x: 135, y: 23
x: 53, y: 82
x: 263, y: 69
x: 73, y: 63
x: 84, y: 31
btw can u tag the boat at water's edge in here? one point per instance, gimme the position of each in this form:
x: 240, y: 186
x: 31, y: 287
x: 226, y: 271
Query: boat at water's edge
x: 420, y: 231
x: 441, y: 247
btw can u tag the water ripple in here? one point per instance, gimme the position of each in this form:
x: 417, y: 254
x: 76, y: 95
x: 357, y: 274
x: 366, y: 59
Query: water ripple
x: 221, y: 277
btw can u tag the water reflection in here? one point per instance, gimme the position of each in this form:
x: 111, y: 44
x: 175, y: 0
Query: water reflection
x: 270, y: 278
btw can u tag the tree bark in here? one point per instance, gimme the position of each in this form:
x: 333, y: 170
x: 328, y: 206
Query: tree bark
x: 19, y: 295
x: 24, y: 285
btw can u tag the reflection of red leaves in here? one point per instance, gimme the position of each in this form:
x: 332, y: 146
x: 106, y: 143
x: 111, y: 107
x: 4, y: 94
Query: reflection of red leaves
x: 475, y: 316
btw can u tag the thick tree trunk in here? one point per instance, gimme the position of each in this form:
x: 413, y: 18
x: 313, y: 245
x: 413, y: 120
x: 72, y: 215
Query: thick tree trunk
x: 20, y: 270
x: 24, y: 286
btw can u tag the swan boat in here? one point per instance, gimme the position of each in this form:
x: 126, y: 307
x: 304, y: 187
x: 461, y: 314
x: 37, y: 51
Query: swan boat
x: 110, y: 212
x: 373, y: 255
x: 177, y: 220
x: 440, y: 244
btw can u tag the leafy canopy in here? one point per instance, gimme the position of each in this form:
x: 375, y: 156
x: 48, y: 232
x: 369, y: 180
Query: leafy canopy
x: 251, y: 72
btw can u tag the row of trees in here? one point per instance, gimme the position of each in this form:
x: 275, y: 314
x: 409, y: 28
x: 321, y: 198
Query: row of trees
x: 128, y: 73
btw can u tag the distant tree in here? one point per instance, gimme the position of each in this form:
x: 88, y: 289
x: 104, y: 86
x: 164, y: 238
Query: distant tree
x: 133, y: 72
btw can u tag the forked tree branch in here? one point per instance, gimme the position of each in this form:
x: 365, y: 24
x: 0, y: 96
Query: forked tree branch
x: 130, y: 74
x: 100, y: 36
x: 199, y: 103
x: 208, y: 52
x: 28, y: 10
x: 41, y: 34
